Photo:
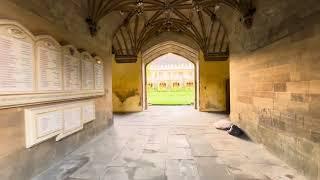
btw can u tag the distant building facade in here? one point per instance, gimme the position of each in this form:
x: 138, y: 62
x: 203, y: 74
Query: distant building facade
x: 171, y: 76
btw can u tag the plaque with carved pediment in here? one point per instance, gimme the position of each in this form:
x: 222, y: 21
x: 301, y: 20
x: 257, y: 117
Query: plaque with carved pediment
x: 99, y: 74
x: 36, y: 70
x: 71, y: 68
x: 87, y: 71
x: 49, y: 64
x: 16, y: 58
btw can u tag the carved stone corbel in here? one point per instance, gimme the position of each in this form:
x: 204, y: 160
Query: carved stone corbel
x: 93, y: 26
x: 248, y: 11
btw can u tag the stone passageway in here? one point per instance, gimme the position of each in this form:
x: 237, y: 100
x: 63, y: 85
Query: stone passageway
x: 169, y: 143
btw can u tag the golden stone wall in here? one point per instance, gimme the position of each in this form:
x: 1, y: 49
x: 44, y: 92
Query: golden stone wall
x: 127, y: 86
x: 213, y: 79
x: 275, y: 98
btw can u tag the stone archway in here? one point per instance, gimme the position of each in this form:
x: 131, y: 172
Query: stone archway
x: 175, y: 48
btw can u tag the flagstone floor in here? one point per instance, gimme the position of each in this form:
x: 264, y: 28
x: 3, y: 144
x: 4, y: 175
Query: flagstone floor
x: 169, y: 143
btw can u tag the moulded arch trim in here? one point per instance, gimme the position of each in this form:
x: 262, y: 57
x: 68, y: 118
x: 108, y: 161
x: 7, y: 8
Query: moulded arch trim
x: 48, y: 42
x: 176, y: 48
x: 48, y: 38
x: 86, y: 56
x: 170, y: 37
x: 4, y: 22
x: 66, y: 49
x: 164, y: 53
x: 170, y: 47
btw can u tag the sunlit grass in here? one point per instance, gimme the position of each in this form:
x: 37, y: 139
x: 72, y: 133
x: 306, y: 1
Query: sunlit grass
x: 180, y: 96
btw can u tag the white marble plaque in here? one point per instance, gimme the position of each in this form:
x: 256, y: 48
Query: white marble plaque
x: 87, y: 72
x: 60, y: 120
x: 33, y: 70
x: 48, y: 123
x: 50, y: 70
x: 42, y: 123
x: 16, y: 65
x: 72, y: 118
x: 99, y: 79
x: 72, y: 73
x: 88, y: 112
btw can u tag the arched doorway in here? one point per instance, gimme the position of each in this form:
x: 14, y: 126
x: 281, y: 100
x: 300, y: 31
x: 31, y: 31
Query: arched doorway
x: 170, y: 80
x: 176, y: 49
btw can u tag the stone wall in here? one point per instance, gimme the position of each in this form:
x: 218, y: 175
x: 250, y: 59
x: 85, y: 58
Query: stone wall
x: 62, y: 20
x: 127, y: 86
x: 213, y: 79
x: 274, y: 73
x: 275, y: 97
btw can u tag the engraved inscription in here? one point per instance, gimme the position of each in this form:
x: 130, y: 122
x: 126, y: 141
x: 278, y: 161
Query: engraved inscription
x: 99, y: 79
x: 48, y: 123
x: 72, y: 118
x: 87, y: 75
x: 88, y: 112
x: 50, y: 70
x: 72, y: 70
x: 16, y: 69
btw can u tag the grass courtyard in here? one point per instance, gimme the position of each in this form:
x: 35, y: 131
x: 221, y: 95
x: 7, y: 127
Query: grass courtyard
x: 183, y: 96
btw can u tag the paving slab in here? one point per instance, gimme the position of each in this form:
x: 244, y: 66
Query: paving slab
x: 169, y: 143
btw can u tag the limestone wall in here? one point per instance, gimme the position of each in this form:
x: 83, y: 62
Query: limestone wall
x: 275, y: 97
x: 213, y: 79
x: 127, y: 86
x: 274, y: 73
x: 63, y: 21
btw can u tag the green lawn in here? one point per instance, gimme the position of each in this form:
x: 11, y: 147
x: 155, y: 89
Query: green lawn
x: 171, y: 97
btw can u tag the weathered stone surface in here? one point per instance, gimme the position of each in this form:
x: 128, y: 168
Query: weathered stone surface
x: 289, y: 63
x: 213, y: 77
x: 288, y: 114
x: 280, y: 87
x: 200, y: 147
x: 120, y: 152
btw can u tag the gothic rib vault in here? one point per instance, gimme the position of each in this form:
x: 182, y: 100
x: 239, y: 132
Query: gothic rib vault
x: 145, y: 19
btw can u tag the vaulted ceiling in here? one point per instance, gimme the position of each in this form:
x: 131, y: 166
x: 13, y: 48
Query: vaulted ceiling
x: 144, y: 19
x: 204, y: 28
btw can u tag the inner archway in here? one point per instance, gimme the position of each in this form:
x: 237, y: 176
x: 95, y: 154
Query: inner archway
x: 189, y: 54
x: 170, y: 81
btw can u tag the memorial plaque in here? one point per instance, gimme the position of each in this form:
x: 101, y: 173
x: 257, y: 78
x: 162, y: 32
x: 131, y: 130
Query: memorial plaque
x: 99, y: 79
x: 49, y: 65
x: 72, y: 69
x: 48, y: 123
x: 16, y: 62
x: 88, y: 112
x: 87, y: 72
x: 72, y: 118
x: 60, y: 120
x: 32, y: 71
x: 42, y: 123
